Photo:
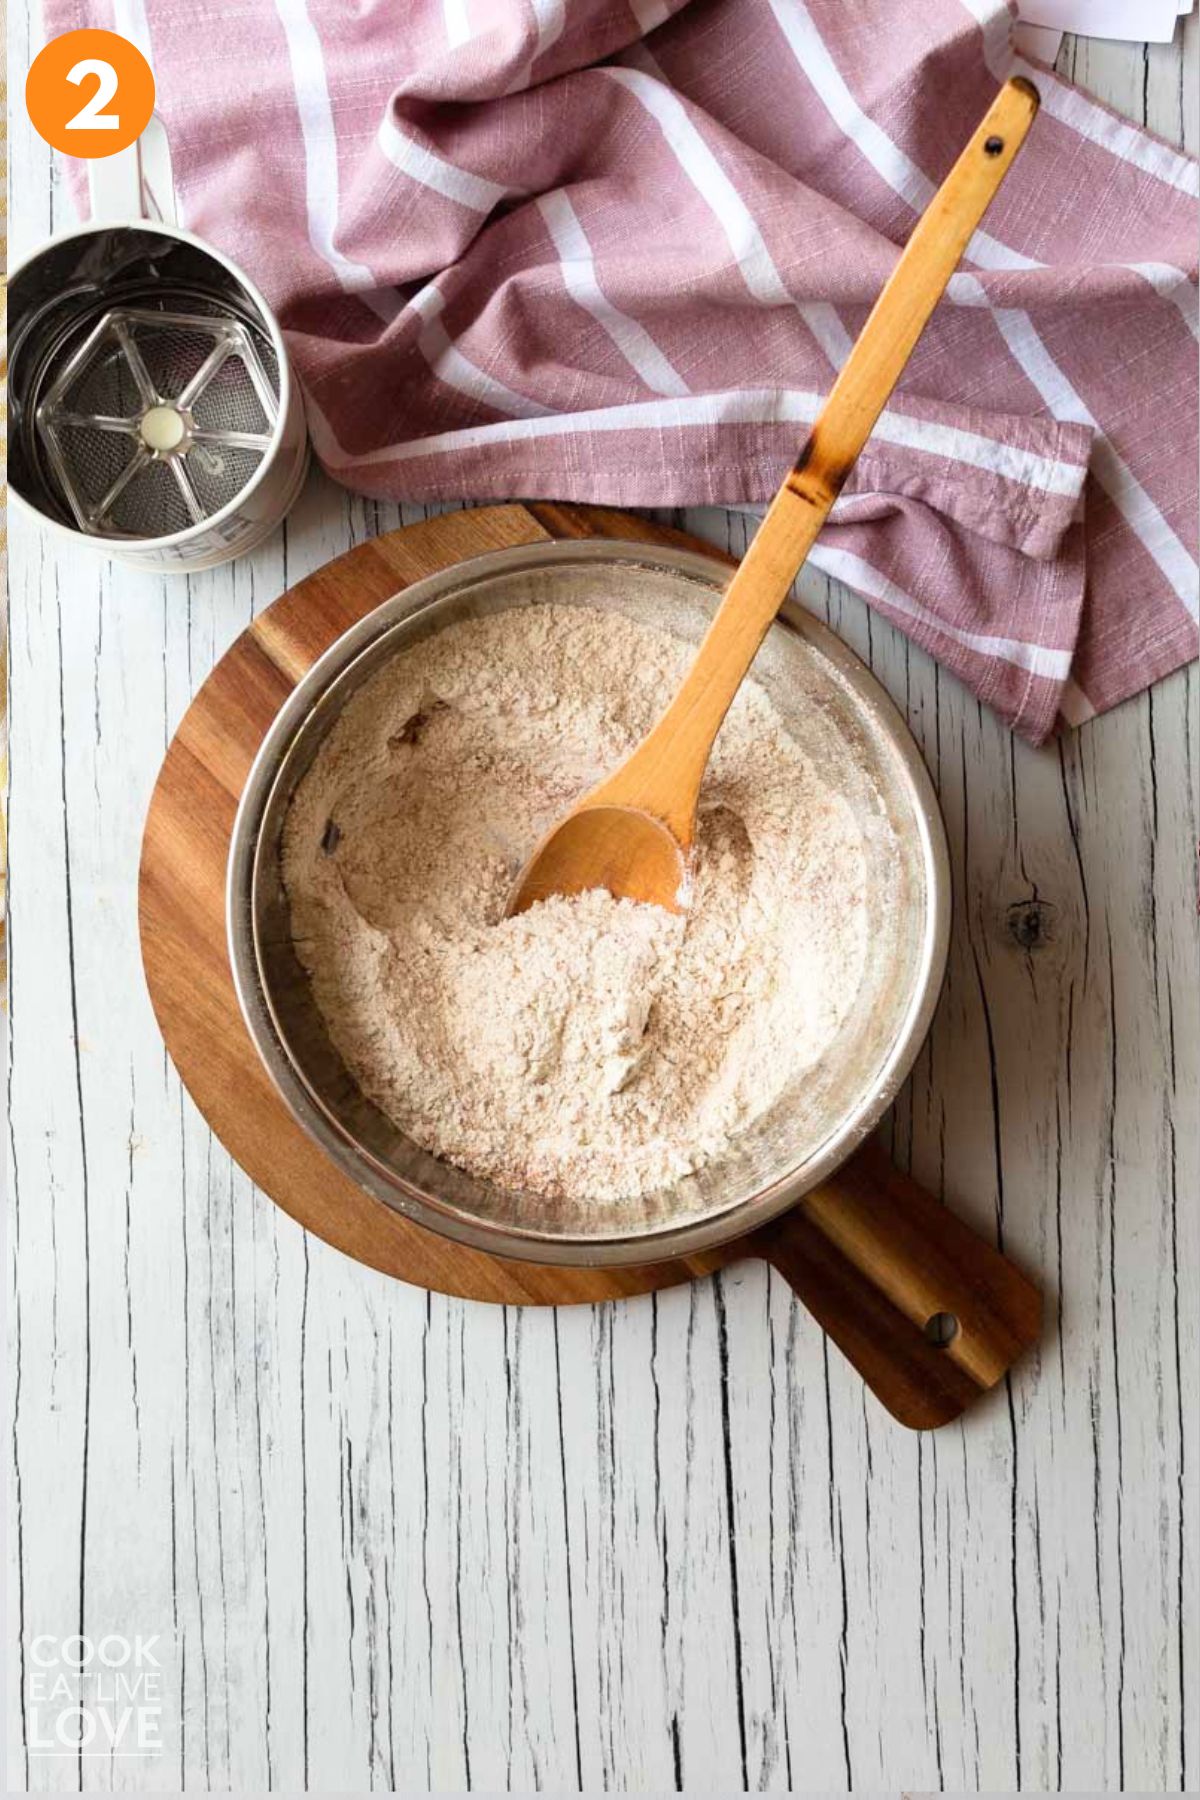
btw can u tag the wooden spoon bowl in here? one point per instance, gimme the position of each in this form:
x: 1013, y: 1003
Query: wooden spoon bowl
x: 613, y: 847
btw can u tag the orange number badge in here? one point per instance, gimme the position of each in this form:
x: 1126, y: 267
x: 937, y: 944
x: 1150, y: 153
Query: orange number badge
x: 90, y: 93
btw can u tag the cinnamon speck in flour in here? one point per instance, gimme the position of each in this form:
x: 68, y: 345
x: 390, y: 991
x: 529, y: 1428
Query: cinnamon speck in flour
x: 590, y: 1048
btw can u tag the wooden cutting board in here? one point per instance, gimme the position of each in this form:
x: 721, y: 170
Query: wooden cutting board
x: 832, y: 1249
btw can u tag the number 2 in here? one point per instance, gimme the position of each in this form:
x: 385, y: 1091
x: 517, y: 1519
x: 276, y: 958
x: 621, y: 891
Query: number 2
x: 90, y: 117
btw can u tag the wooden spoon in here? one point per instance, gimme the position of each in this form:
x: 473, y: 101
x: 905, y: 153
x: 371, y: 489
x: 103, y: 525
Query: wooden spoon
x: 633, y: 833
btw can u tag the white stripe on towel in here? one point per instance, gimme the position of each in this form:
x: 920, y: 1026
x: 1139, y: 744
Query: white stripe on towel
x: 129, y: 18
x: 1114, y: 475
x: 321, y: 158
x: 549, y: 18
x: 458, y: 371
x: 579, y: 274
x: 1074, y: 704
x: 431, y: 171
x: 1087, y: 118
x: 995, y: 20
x: 1173, y: 285
x: 886, y: 158
x: 823, y: 321
x: 458, y: 25
x: 740, y: 406
x: 710, y: 181
x: 1036, y: 659
x: 1090, y: 121
x: 650, y: 14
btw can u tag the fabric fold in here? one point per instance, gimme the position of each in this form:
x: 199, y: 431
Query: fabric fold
x: 561, y: 248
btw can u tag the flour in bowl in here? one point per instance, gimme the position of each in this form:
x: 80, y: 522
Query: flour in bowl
x: 590, y: 1049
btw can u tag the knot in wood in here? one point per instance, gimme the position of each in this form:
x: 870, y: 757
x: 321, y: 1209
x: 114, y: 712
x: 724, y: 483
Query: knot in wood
x: 1030, y: 923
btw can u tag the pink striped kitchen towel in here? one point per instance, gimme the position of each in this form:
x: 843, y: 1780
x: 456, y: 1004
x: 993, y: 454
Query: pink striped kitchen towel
x: 614, y: 250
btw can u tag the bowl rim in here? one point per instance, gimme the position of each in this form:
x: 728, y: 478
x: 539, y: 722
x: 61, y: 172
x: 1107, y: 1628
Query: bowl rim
x: 659, y: 1241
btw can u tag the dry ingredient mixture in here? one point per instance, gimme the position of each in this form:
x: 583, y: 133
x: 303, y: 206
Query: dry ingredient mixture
x: 591, y: 1048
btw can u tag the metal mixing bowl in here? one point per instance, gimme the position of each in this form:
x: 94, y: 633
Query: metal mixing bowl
x: 828, y: 700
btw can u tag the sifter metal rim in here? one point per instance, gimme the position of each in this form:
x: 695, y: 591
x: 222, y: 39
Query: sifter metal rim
x: 271, y: 326
x: 427, y: 1209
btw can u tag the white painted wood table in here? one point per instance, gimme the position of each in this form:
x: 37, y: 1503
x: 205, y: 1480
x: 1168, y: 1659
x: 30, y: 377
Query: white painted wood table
x: 399, y: 1541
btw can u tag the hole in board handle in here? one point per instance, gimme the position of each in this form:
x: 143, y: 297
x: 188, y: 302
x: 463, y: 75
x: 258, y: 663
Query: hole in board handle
x: 993, y: 146
x: 941, y: 1328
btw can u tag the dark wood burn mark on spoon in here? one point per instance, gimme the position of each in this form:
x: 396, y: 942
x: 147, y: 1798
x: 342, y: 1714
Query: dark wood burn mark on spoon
x: 833, y: 476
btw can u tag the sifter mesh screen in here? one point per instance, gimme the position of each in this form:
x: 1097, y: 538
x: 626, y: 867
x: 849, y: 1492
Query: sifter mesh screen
x: 221, y: 385
x: 216, y: 470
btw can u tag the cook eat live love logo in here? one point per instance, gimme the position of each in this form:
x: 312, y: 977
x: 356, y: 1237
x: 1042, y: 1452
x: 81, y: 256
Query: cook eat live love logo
x: 94, y: 1699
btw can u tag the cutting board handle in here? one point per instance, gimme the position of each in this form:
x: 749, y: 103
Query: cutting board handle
x: 930, y: 1314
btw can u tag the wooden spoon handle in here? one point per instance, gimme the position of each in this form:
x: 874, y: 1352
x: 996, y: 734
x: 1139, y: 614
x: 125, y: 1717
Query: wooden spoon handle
x: 875, y: 1259
x: 663, y: 776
